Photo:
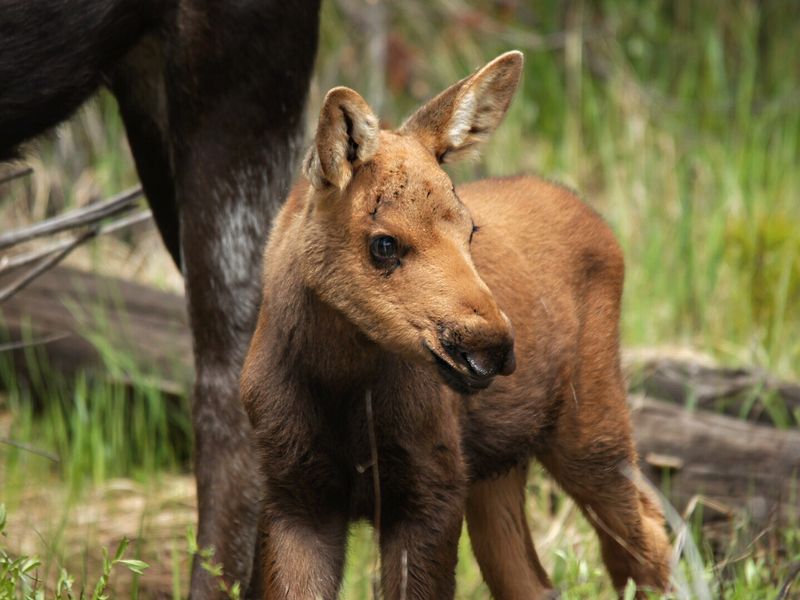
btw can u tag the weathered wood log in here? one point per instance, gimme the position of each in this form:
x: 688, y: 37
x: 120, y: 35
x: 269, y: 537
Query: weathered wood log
x: 751, y: 394
x: 741, y: 468
x: 90, y: 322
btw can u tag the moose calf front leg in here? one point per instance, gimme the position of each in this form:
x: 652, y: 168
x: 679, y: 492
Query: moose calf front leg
x: 302, y: 558
x: 419, y: 553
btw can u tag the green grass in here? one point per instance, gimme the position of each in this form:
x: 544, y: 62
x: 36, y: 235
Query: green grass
x: 679, y: 122
x: 95, y: 425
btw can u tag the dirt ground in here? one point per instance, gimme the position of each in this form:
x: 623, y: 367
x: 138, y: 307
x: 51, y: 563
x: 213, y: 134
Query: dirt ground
x: 155, y: 518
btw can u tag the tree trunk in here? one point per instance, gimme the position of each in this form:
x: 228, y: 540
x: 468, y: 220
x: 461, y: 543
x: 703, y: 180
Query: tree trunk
x: 751, y: 394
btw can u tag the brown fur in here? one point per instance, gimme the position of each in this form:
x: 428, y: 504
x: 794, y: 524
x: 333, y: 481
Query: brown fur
x: 424, y: 336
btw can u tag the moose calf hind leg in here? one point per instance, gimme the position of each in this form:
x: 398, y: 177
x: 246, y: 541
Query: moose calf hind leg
x: 629, y: 524
x: 637, y: 549
x: 501, y: 539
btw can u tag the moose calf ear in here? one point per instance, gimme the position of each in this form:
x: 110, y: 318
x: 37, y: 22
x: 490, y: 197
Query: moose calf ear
x: 453, y: 123
x: 347, y: 134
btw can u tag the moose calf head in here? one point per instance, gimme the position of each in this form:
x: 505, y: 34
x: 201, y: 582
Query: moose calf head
x: 386, y: 238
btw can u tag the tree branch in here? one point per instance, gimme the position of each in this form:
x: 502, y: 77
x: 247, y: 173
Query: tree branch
x: 67, y: 247
x: 9, y: 263
x: 82, y: 216
x: 43, y: 266
x: 15, y: 175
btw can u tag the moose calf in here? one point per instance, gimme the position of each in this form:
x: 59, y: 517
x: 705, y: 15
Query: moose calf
x: 384, y: 282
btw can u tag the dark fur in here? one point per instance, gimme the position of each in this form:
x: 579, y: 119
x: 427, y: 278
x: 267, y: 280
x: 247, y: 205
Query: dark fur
x: 212, y: 95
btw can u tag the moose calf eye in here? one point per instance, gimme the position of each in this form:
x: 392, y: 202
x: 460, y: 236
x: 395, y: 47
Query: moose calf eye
x: 383, y: 248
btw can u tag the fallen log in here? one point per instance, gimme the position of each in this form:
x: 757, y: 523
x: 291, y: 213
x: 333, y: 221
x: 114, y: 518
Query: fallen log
x: 73, y: 321
x: 751, y: 394
x: 737, y: 468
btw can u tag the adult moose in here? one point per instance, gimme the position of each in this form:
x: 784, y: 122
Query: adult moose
x: 385, y: 287
x: 212, y: 95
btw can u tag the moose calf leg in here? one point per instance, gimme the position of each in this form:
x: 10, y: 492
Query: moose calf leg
x: 593, y: 458
x: 301, y: 559
x: 419, y: 556
x: 501, y: 539
x: 420, y: 532
x: 632, y: 538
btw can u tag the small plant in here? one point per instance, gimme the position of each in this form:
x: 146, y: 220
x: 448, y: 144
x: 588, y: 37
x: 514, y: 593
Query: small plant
x: 133, y: 565
x: 207, y: 563
x: 19, y: 577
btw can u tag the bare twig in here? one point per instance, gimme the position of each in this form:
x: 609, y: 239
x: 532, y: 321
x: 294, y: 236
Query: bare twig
x: 744, y: 554
x: 593, y: 516
x: 700, y: 499
x: 376, y: 486
x: 20, y: 344
x: 82, y: 216
x: 8, y: 263
x: 790, y: 579
x: 404, y: 575
x: 31, y: 449
x: 15, y: 175
x: 43, y: 266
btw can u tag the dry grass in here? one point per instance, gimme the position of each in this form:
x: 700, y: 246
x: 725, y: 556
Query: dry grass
x: 68, y: 532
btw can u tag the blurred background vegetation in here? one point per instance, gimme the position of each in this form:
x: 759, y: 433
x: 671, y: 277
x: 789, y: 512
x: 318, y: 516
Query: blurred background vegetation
x: 679, y: 121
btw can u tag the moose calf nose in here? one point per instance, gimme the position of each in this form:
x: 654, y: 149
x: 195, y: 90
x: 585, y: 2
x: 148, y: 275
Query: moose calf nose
x: 510, y: 362
x: 488, y: 362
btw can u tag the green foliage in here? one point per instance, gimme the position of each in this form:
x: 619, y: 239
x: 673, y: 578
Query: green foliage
x: 95, y: 425
x: 133, y: 565
x: 19, y: 577
x: 210, y: 566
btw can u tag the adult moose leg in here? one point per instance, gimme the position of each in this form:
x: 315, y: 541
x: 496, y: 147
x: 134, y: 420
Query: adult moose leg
x: 138, y: 83
x: 236, y: 77
x: 501, y: 539
x: 212, y: 99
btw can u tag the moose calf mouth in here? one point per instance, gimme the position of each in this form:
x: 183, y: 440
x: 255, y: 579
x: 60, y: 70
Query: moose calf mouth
x: 458, y: 381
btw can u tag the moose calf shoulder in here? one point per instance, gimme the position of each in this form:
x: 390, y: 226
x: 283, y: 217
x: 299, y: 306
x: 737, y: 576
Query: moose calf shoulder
x: 418, y: 344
